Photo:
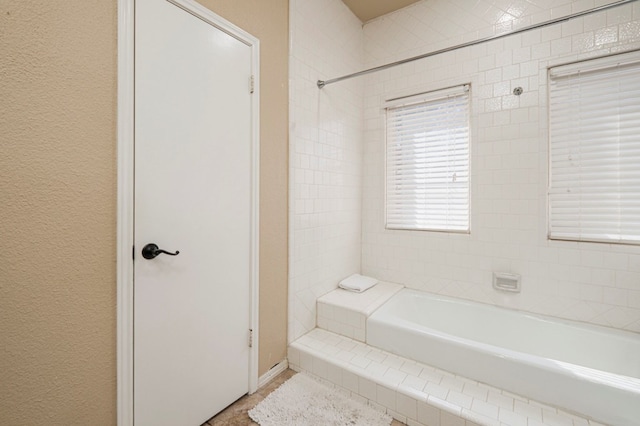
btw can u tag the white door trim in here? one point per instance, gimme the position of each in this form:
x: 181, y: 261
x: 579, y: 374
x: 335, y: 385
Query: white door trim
x: 125, y: 218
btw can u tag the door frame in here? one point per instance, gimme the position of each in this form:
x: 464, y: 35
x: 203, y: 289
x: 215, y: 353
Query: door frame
x: 125, y: 197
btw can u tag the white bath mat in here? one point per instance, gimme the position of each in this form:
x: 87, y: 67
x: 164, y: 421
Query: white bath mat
x: 303, y: 401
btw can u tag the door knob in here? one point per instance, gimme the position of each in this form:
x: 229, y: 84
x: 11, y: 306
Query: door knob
x: 151, y: 250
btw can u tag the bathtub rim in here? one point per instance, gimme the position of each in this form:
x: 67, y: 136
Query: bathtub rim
x: 534, y: 315
x: 594, y: 375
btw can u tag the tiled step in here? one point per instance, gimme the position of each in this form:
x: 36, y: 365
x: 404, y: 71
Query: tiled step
x: 345, y: 312
x: 415, y: 393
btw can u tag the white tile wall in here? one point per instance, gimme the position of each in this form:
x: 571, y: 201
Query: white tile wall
x: 336, y: 188
x: 325, y: 145
x: 597, y: 283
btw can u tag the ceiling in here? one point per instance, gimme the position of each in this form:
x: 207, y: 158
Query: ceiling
x: 367, y: 10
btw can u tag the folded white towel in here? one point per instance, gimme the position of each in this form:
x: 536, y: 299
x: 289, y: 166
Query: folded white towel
x: 357, y: 283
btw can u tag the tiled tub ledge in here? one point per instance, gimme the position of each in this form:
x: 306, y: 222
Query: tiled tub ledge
x: 415, y: 393
x: 345, y: 312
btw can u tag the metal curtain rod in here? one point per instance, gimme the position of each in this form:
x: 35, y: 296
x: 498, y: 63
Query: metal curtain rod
x: 322, y: 83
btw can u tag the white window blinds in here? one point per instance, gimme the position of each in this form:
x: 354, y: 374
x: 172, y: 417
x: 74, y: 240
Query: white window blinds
x: 594, y: 136
x: 427, y: 176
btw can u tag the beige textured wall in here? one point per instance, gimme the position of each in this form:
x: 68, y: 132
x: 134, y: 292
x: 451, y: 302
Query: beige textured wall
x: 57, y: 212
x: 58, y: 203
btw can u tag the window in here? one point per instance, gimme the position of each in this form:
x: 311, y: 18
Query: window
x: 594, y: 150
x: 427, y: 183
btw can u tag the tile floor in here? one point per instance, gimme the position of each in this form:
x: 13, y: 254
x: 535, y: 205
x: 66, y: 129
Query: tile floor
x: 236, y: 413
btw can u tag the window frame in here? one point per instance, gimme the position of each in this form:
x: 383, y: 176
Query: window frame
x: 420, y: 99
x: 586, y: 66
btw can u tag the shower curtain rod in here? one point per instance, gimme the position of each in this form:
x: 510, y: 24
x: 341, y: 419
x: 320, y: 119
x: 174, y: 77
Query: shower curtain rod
x: 322, y: 83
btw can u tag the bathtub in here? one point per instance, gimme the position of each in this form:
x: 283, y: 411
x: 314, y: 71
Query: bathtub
x: 590, y: 370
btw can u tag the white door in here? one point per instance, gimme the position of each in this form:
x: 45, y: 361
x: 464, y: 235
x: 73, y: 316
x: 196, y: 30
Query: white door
x: 193, y: 195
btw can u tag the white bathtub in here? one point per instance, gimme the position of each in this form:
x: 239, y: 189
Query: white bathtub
x: 594, y: 371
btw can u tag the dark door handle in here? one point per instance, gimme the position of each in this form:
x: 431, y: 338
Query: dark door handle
x: 151, y: 250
